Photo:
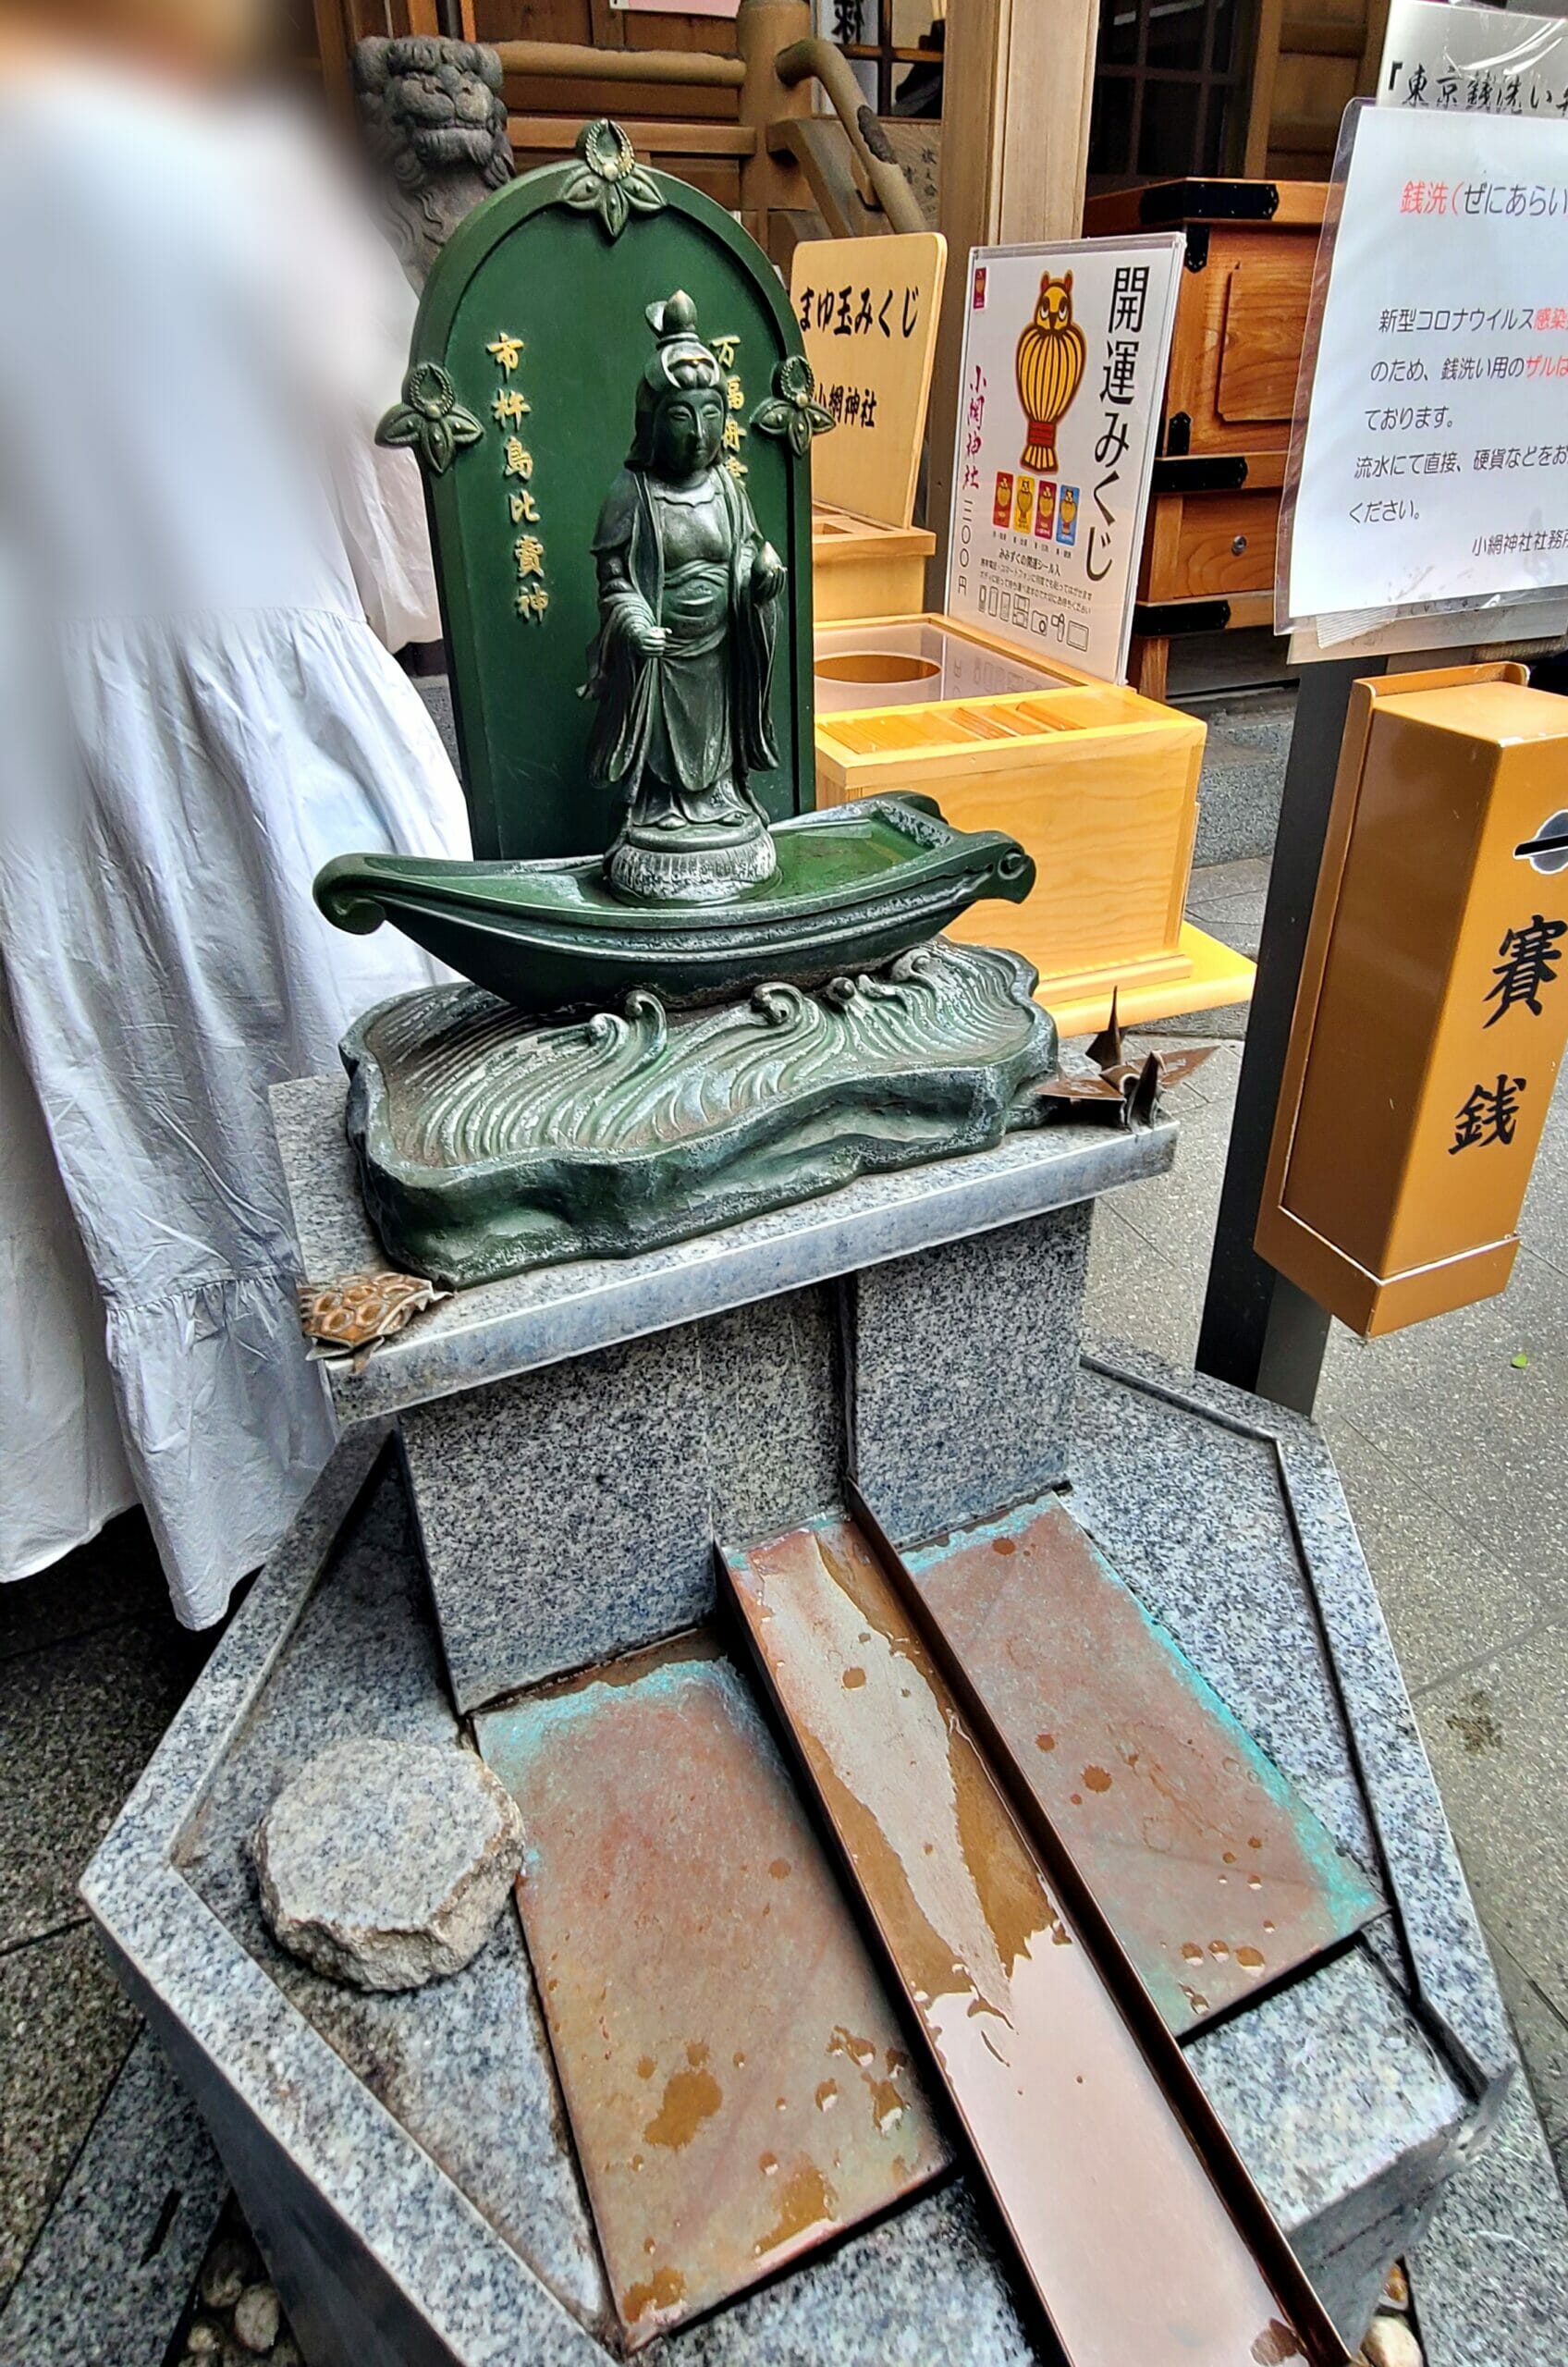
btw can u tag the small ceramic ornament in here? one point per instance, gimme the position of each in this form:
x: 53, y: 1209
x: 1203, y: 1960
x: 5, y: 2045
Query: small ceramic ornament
x: 349, y: 1317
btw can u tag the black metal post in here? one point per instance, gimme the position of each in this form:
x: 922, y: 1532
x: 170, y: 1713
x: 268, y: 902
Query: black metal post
x: 1260, y: 1331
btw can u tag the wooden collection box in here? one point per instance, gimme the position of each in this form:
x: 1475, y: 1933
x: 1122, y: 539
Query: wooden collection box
x: 1433, y: 1005
x: 1240, y: 317
x: 1098, y: 783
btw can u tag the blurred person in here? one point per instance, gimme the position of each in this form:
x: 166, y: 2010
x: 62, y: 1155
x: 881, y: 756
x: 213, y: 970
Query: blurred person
x: 197, y: 537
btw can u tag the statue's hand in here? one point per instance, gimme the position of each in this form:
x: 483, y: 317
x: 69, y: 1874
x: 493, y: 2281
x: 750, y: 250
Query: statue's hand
x: 649, y: 640
x: 767, y: 573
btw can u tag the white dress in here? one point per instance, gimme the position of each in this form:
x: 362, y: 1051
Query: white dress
x: 198, y: 337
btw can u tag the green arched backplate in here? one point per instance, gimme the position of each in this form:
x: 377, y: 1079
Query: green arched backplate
x: 552, y: 276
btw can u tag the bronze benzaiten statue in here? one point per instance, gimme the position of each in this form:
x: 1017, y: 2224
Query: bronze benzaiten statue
x: 434, y: 122
x: 694, y: 996
x: 682, y: 669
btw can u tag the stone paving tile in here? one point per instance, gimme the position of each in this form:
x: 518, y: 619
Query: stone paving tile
x: 107, y: 2279
x: 117, y: 1576
x: 1445, y: 1402
x: 1497, y: 1734
x: 1236, y: 921
x: 77, y: 1724
x: 1176, y: 1217
x: 1545, y: 1222
x: 1243, y: 775
x: 1221, y: 883
x: 65, y: 2030
x: 1542, y: 2033
x: 1453, y: 1461
x: 1226, y: 1024
x: 1490, y: 2280
x: 1445, y: 1596
x: 1135, y: 1293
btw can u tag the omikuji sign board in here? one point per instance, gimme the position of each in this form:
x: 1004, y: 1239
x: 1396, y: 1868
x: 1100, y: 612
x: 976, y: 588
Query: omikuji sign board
x: 1434, y: 465
x: 1064, y: 358
x: 867, y: 312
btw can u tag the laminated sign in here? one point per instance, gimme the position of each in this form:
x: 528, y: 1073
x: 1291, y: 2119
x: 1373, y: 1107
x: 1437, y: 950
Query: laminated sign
x: 1473, y: 61
x: 1431, y: 464
x: 1064, y: 358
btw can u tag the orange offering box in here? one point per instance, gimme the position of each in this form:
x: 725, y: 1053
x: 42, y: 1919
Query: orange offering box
x: 1097, y: 782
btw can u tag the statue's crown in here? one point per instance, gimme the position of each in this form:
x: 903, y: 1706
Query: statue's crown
x: 680, y: 358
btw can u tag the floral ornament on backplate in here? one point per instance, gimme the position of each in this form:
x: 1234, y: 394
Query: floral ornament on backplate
x: 792, y: 409
x: 609, y: 182
x: 431, y: 418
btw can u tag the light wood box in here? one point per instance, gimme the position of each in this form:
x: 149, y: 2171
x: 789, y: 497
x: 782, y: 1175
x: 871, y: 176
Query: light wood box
x: 1097, y: 782
x: 860, y: 567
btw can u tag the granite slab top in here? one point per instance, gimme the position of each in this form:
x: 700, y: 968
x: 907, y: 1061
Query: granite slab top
x: 500, y: 1329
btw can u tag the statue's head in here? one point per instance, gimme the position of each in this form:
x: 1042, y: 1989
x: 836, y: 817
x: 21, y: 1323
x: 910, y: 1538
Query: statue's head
x: 681, y: 398
x: 431, y: 107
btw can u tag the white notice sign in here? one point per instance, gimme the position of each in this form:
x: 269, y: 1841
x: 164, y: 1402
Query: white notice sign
x: 1064, y: 357
x: 1473, y: 61
x: 1435, y: 461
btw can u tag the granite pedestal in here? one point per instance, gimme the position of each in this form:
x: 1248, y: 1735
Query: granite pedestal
x: 564, y: 1449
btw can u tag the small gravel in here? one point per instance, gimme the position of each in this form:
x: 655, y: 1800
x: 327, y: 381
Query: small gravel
x: 224, y: 2273
x: 257, y: 2317
x: 235, y: 2318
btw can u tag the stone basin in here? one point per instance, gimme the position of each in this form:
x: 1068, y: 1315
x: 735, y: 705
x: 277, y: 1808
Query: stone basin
x: 568, y: 1446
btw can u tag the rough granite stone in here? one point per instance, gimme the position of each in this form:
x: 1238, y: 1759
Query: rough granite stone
x: 409, y: 2210
x: 1345, y: 2118
x: 1389, y: 2343
x: 1194, y: 1517
x: 257, y: 2317
x: 925, y: 2288
x: 1375, y: 1792
x: 564, y: 1514
x: 569, y: 1514
x: 386, y: 1863
x: 963, y: 1366
x: 773, y: 1410
x: 1243, y: 775
x: 65, y: 2034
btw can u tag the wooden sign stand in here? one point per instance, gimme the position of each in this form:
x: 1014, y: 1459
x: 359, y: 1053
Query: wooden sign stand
x: 868, y: 311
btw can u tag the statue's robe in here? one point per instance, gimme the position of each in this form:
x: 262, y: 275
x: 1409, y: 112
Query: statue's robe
x: 677, y: 735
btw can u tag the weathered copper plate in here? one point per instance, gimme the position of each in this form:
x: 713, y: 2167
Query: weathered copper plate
x: 736, y: 2077
x: 1126, y: 2238
x: 1215, y: 1876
